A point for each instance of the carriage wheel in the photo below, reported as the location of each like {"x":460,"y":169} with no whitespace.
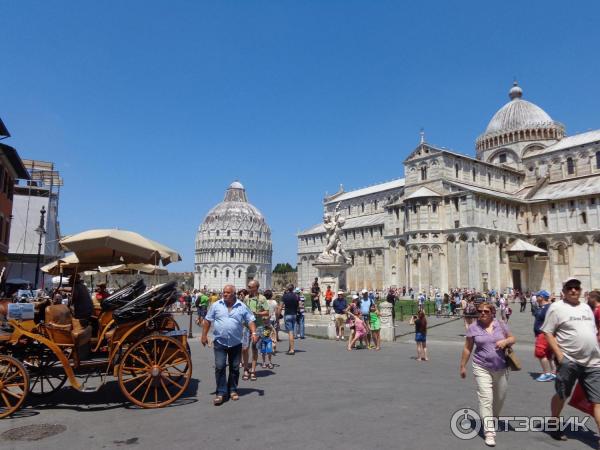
{"x":14,"y":385}
{"x":155,"y":371}
{"x":46,"y":374}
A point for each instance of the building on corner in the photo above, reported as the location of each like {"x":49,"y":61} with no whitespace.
{"x":524,"y":213}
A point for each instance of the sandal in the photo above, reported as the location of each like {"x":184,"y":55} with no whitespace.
{"x":270,"y":366}
{"x":218,"y":400}
{"x":234,"y":396}
{"x":291,"y":353}
{"x":252,"y":376}
{"x":246,"y":375}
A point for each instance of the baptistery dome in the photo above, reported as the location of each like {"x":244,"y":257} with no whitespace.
{"x":233,"y":244}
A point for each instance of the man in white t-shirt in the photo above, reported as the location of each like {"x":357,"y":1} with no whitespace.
{"x":572,"y":335}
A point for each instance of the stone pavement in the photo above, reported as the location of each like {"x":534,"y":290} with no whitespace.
{"x":324,"y":397}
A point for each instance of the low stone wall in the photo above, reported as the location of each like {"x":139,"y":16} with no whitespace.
{"x":323,"y":325}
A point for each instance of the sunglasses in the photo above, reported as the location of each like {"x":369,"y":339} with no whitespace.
{"x":483,"y":311}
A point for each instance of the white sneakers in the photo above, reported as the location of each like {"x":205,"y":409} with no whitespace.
{"x":490,"y":440}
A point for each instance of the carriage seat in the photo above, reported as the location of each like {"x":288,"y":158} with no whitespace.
{"x":64,"y":329}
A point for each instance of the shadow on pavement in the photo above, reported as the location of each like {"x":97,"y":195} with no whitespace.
{"x":247,"y":391}
{"x":264,"y":373}
{"x":587,"y":437}
{"x":108,"y":397}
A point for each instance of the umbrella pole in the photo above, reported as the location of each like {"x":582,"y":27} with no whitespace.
{"x":155,"y":271}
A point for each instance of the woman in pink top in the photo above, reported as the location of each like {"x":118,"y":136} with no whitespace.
{"x":360,"y":331}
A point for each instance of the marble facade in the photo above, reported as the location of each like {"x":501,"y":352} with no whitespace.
{"x":453,"y":219}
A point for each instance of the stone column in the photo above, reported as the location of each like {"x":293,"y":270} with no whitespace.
{"x":388,"y":329}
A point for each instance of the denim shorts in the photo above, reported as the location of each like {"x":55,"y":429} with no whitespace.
{"x":290,"y":323}
{"x":245,"y":338}
{"x":420,"y":337}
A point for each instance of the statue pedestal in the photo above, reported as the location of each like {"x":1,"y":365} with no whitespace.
{"x":331,"y":274}
{"x":388,"y":329}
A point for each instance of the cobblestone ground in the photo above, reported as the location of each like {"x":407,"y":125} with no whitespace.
{"x":324,"y":397}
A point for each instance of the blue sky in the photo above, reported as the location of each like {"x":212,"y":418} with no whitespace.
{"x":150,"y":109}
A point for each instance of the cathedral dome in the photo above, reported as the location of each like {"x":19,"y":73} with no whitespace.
{"x":518,"y":114}
{"x":233,"y":243}
{"x":517,"y":121}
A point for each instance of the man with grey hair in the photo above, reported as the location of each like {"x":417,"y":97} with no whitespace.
{"x":228,"y":316}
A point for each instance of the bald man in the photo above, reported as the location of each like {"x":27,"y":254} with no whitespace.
{"x":228,"y":315}
{"x":259,"y":306}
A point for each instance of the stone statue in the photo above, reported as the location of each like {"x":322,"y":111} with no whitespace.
{"x":333,"y":252}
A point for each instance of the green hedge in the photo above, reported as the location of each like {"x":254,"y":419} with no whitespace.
{"x":403,"y":308}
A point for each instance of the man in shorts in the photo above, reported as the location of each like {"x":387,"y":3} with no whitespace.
{"x":201,"y":306}
{"x":365,"y":308}
{"x":289,"y":304}
{"x":339,"y":308}
{"x":571,"y":333}
{"x":258,"y":305}
{"x":542,"y":349}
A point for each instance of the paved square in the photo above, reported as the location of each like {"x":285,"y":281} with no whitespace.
{"x":324,"y":397}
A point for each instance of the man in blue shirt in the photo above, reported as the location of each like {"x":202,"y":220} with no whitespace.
{"x":228,"y":316}
{"x":339,"y":307}
{"x":365,"y":307}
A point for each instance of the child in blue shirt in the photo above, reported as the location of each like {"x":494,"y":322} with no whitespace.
{"x":266,"y":346}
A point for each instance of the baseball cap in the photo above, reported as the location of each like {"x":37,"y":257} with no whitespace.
{"x":364,"y":291}
{"x":571,"y":280}
{"x":340,"y":292}
{"x":297,"y":290}
{"x":543,"y":293}
{"x":354,"y":297}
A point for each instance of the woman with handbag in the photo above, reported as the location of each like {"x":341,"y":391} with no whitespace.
{"x":488,"y":339}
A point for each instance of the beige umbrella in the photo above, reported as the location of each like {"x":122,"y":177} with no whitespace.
{"x":104,"y":247}
{"x":134,"y":268}
{"x":67,"y":263}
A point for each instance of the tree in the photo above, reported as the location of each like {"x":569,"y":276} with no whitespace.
{"x":283,"y":268}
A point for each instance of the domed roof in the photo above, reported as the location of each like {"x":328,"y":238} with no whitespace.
{"x":518,"y":114}
{"x":235,"y":212}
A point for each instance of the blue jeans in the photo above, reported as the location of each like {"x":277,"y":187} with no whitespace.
{"x":222,"y":354}
{"x":300,"y":326}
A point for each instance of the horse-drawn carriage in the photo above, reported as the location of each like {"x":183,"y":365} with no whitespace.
{"x":132,"y":338}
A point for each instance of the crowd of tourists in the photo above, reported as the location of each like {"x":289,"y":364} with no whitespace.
{"x":246,"y":324}
{"x":566,"y":344}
